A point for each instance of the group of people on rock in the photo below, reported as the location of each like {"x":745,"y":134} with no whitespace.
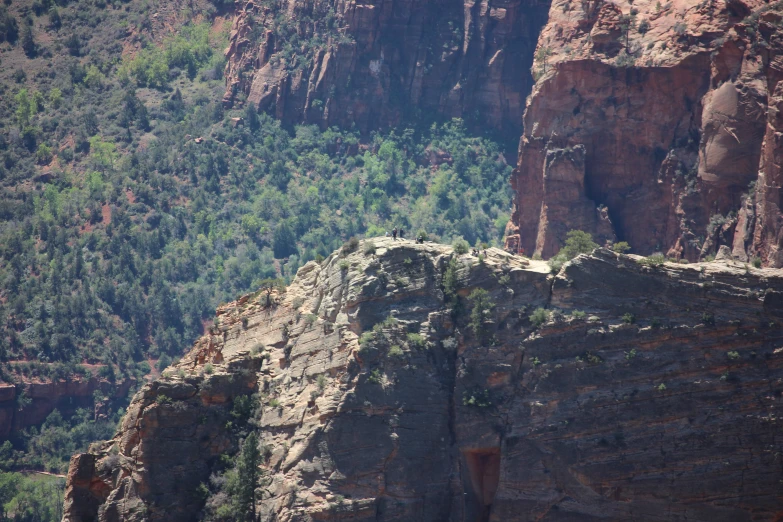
{"x":401,"y":232}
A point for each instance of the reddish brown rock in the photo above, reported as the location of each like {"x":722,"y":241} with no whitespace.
{"x":372,"y":65}
{"x":67,"y":395}
{"x":668,"y":102}
{"x":658,"y":403}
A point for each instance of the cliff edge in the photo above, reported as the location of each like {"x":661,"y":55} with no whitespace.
{"x":391,"y":390}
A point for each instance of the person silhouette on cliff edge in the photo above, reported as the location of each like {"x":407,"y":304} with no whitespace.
{"x":394,"y":233}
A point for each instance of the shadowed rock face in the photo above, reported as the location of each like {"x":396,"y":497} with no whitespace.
{"x":371,"y":64}
{"x":671,"y":114}
{"x":657,"y":404}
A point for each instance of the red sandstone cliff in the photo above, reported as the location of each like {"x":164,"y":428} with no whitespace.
{"x":371,"y":64}
{"x":661,"y":109}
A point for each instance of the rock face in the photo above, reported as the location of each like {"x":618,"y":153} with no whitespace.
{"x":371,"y":64}
{"x":669,"y":101}
{"x":391,"y":391}
{"x":46,"y":396}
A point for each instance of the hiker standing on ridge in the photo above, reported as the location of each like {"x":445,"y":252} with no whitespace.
{"x":402,"y":234}
{"x":394,"y":233}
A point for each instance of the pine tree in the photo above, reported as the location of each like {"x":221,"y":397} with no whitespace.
{"x":284,"y":241}
{"x":248,"y":475}
{"x":28,"y":41}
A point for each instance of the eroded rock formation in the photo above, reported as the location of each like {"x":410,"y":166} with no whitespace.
{"x":44,"y":397}
{"x":371,"y":64}
{"x":669,"y":101}
{"x":646,"y":393}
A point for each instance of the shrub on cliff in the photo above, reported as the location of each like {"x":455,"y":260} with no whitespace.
{"x":480,"y":315}
{"x":539,"y":317}
{"x":577,"y":242}
{"x":460,"y":246}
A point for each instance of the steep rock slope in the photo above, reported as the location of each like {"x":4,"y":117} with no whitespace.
{"x":657,"y":403}
{"x":647,"y":124}
{"x":369,"y":64}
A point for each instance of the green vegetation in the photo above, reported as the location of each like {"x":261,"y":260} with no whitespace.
{"x":628,"y":318}
{"x":451,"y":282}
{"x":31,"y":498}
{"x":132,"y":205}
{"x":478,"y":398}
{"x":396,"y":351}
{"x":577,"y":242}
{"x":460,"y":246}
{"x":621,"y":247}
{"x":539,"y":317}
{"x":654,"y":260}
{"x":417,"y":341}
{"x":233,"y":494}
{"x":578,"y":314}
{"x":189,"y":50}
{"x":50,"y":446}
{"x":480,"y":313}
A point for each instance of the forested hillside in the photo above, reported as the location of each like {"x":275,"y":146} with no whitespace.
{"x":132,"y":203}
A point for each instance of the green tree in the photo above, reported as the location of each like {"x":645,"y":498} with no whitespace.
{"x":28,"y":41}
{"x":577,"y":242}
{"x":249,"y":474}
{"x":103,"y":153}
{"x":480,"y":314}
{"x":284,"y":241}
{"x":55,"y":21}
{"x":24,"y":108}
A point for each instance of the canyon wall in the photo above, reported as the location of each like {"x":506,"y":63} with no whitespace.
{"x":371,"y":65}
{"x":657,"y":124}
{"x":391,"y":391}
{"x":45,"y":397}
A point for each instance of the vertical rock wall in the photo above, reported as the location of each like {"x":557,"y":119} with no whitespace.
{"x":374,"y":64}
{"x":669,"y":101}
{"x":385,"y":399}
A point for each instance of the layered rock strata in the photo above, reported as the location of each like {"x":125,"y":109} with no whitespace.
{"x":391,"y":391}
{"x":369,"y":65}
{"x":45,"y":397}
{"x":676,"y":106}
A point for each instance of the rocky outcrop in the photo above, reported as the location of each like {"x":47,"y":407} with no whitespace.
{"x":391,"y":391}
{"x":669,"y":102}
{"x":45,"y":397}
{"x":370,"y":65}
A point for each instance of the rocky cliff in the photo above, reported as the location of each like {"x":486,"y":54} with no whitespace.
{"x":655,"y":123}
{"x":370,"y":64}
{"x":45,"y":397}
{"x":392,"y":391}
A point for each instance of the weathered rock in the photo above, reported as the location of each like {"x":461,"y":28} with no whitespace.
{"x":67,"y":395}
{"x":371,"y":64}
{"x":667,"y":100}
{"x":656,"y":403}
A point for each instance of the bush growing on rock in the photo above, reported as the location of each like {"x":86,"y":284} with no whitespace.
{"x":460,"y":246}
{"x":656,"y":259}
{"x":480,"y":315}
{"x":369,"y":248}
{"x":539,"y":317}
{"x":351,"y":245}
{"x":622,"y":247}
{"x":477,"y":398}
{"x":577,"y":242}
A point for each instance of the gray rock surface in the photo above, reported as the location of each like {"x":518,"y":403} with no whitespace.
{"x":658,"y":402}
